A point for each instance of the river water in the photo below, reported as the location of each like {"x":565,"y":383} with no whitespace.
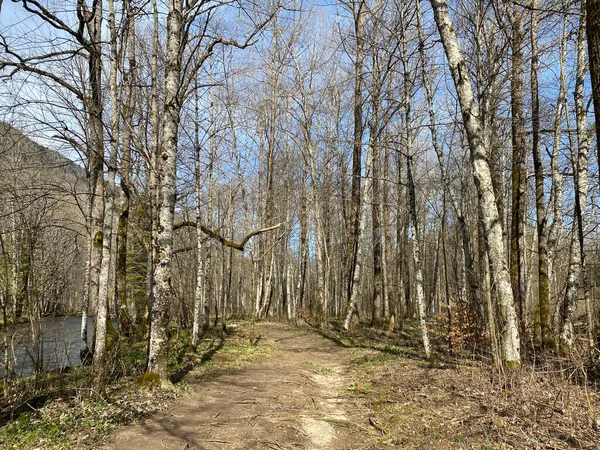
{"x":61,"y":345}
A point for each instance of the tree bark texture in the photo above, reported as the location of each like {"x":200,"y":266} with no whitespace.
{"x":163,"y":290}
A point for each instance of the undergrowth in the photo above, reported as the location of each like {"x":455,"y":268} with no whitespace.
{"x":456,"y":401}
{"x":59,"y":410}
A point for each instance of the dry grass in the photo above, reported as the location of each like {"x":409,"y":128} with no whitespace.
{"x":463,"y":404}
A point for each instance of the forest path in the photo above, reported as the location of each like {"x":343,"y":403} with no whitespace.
{"x":293,"y":399}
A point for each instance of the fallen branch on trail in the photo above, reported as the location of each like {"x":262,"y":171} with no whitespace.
{"x":228,"y":243}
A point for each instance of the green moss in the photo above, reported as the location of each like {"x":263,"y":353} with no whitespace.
{"x":112,"y":335}
{"x":150,"y":380}
{"x":513,"y":365}
{"x":98,"y":238}
{"x":124,"y":321}
{"x":142,"y":329}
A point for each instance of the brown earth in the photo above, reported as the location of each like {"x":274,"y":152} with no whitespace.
{"x":293,"y":399}
{"x":366,"y":390}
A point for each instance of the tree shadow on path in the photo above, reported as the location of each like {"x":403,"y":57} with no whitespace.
{"x":214,"y":347}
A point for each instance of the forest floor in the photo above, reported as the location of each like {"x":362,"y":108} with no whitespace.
{"x":294,"y":398}
{"x":276,"y":386}
{"x":328,"y":390}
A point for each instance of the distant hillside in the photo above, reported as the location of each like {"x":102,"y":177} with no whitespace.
{"x":19,"y":152}
{"x":43,"y":203}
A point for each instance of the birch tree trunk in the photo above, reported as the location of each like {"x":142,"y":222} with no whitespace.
{"x":200,"y":294}
{"x":483,"y":181}
{"x":228,"y":278}
{"x":416,"y":250}
{"x":17,"y":303}
{"x":319,"y":229}
{"x":154,"y":171}
{"x":4,"y":304}
{"x":163,"y":291}
{"x":85,"y":304}
{"x":270,"y":139}
{"x":575,"y":276}
{"x":555,"y":229}
{"x":419,"y":299}
{"x":95,"y":161}
{"x":358,"y":13}
{"x":473,"y":292}
{"x":210,"y":287}
{"x":291,"y":298}
{"x":99,"y":360}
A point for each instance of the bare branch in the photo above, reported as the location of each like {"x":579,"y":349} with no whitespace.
{"x":226,"y":242}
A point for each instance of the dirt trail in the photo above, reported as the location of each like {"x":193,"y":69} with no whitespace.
{"x":292,"y":400}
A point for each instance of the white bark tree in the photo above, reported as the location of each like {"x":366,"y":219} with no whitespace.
{"x":163,"y":291}
{"x":479,"y":150}
{"x":99,"y":365}
{"x":575,"y":276}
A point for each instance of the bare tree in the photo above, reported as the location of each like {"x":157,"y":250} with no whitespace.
{"x":593,"y":39}
{"x":483,"y":181}
{"x":519,"y":172}
{"x":575,"y":276}
{"x":358,"y":10}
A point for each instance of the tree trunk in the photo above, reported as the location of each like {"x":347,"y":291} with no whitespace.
{"x":416,"y":251}
{"x":519,"y":175}
{"x":200,"y":294}
{"x":154,"y":172}
{"x":575,"y":276}
{"x":270,"y":139}
{"x":95,"y":162}
{"x":358,"y":11}
{"x":127,"y":311}
{"x":303,"y":250}
{"x":374,"y":144}
{"x":483,"y":182}
{"x":352,"y":307}
{"x":5,"y":335}
{"x":163,"y":291}
{"x":402,"y":288}
{"x":419,"y":299}
{"x":593,"y":39}
{"x":473,"y":292}
{"x":541,"y":209}
{"x":555,"y":229}
{"x":319,"y":228}
{"x":99,"y":360}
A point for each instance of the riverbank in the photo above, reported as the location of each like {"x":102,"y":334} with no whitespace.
{"x":20,"y":321}
{"x":58,"y":346}
{"x":59,"y":409}
{"x":24,"y":319}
